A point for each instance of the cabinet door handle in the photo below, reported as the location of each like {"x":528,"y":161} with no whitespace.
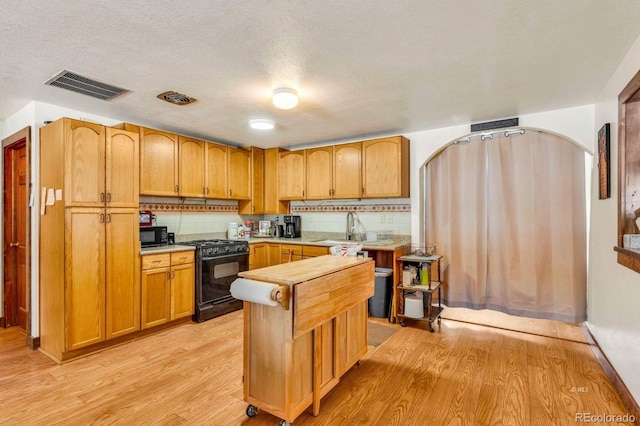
{"x":168,"y":275}
{"x":173,"y":275}
{"x":177,"y":188}
{"x":108,"y":197}
{"x":207,"y":190}
{"x":229,"y":193}
{"x":108,"y":217}
{"x":101,"y":217}
{"x":363,"y":190}
{"x":204,"y":190}
{"x":102,"y":197}
{"x":156,"y":261}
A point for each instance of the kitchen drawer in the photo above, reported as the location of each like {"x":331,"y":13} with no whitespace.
{"x":313,"y":251}
{"x":182,"y":257}
{"x":151,"y":261}
{"x":288,"y":248}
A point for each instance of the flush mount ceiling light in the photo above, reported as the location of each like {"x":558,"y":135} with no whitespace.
{"x":285,"y":98}
{"x":261,"y":124}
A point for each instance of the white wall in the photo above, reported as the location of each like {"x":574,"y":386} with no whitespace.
{"x":575,"y":124}
{"x":614,"y":291}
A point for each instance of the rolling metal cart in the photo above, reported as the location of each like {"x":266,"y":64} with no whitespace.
{"x":418,"y":285}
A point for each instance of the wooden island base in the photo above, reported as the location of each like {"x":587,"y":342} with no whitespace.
{"x":293,"y":357}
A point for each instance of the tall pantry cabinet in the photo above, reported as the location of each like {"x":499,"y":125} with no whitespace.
{"x":89,"y":239}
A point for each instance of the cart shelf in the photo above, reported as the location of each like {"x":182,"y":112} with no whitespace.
{"x":431,"y":310}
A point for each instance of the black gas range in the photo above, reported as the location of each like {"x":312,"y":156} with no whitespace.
{"x":217,"y":265}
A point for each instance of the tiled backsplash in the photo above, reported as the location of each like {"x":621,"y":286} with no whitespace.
{"x":199,"y":217}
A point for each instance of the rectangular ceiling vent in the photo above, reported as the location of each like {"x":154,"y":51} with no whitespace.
{"x":87,"y":86}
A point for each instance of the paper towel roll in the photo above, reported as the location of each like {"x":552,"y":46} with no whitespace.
{"x":253,"y":291}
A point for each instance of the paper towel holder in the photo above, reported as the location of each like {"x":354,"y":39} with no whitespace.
{"x":281,"y":295}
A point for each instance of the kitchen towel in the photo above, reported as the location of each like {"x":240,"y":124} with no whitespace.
{"x":253,"y":291}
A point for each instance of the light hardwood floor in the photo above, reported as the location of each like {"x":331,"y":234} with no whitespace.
{"x":461,"y":374}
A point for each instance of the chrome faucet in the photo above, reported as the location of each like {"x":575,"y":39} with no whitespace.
{"x":351,"y":232}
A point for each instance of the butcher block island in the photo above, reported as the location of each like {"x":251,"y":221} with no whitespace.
{"x":296,"y":351}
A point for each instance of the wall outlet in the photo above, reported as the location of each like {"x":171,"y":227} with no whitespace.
{"x":382,"y":218}
{"x":389,"y":218}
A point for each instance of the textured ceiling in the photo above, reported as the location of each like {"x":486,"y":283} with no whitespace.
{"x":362,"y":68}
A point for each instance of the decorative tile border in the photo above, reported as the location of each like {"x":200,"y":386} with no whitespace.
{"x":366,"y":208}
{"x":178,"y":207}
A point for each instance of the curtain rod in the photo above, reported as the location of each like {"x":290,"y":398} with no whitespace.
{"x":489,"y":135}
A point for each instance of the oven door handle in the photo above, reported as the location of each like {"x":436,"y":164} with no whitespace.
{"x":207,"y":259}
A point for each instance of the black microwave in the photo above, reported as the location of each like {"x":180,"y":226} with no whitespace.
{"x":152,"y":236}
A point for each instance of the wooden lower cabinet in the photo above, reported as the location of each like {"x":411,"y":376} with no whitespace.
{"x":273,"y":254}
{"x":290,"y":253}
{"x":167,"y":287}
{"x":258,"y":255}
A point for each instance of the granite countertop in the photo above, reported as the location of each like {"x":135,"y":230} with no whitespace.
{"x":165,"y":249}
{"x":387,"y":244}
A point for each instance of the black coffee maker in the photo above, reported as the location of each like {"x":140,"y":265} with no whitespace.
{"x":292,"y":226}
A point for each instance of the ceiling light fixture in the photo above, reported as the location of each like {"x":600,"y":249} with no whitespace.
{"x":261,"y":124}
{"x":285,"y":98}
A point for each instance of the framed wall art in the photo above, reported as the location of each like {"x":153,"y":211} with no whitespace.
{"x":604,"y":163}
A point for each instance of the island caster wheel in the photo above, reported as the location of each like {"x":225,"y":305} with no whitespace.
{"x":284,"y":423}
{"x":439,"y":321}
{"x":403,"y":324}
{"x":431,"y":328}
{"x":252,"y":410}
{"x":358,"y":362}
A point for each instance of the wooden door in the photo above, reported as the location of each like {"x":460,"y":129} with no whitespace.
{"x":351,"y":336}
{"x":182,"y":290}
{"x":16,"y":305}
{"x":291,"y":182}
{"x":239,"y":174}
{"x":158,"y":163}
{"x":122,"y":168}
{"x":84,"y":277}
{"x":385,"y":168}
{"x":216,"y":171}
{"x":84,"y":162}
{"x":319,"y":176}
{"x":122,"y":272}
{"x":347,"y":170}
{"x":191,"y":167}
{"x":156,"y":296}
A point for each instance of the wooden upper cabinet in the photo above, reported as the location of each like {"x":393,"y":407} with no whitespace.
{"x":385,"y":168}
{"x":319,"y":173}
{"x":158,"y":163}
{"x":291,"y":175}
{"x":191,"y":154}
{"x":239,"y":174}
{"x":347,"y":170}
{"x":272,"y":202}
{"x":216,"y":171}
{"x":256,"y":204}
{"x":84,"y":163}
{"x":122,"y":168}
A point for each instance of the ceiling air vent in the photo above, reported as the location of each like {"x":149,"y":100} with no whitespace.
{"x":87,"y":86}
{"x":176,"y":98}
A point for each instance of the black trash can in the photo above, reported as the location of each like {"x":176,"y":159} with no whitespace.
{"x":379,"y":303}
